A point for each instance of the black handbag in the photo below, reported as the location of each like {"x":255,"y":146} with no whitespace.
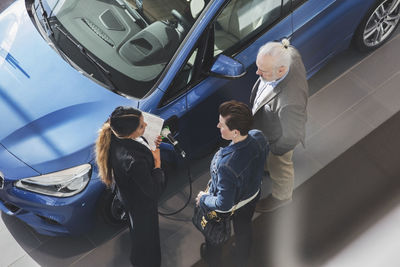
{"x":215,"y":226}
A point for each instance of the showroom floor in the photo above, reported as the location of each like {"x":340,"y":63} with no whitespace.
{"x":353,"y":96}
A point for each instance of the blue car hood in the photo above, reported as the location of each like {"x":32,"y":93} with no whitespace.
{"x":49,"y":112}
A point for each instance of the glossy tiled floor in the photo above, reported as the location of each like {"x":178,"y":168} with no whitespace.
{"x":353,"y":95}
{"x":345,"y":215}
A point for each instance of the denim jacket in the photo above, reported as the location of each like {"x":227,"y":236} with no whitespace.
{"x":236,"y":172}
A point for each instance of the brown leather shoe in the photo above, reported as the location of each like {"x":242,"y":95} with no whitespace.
{"x":271,"y":203}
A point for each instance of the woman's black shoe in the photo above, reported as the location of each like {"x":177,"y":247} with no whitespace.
{"x":203,"y":251}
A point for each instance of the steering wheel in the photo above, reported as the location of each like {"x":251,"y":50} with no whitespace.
{"x":181,"y":19}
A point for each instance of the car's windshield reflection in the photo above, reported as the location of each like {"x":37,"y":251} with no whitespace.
{"x":134,"y":40}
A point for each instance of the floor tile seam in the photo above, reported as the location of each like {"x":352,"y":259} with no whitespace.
{"x":166,"y":207}
{"x":31,"y":231}
{"x":92,"y":250}
{"x":82,"y":256}
{"x":349,"y":109}
{"x":182,"y":194}
{"x":351,"y":68}
{"x":388,"y":80}
{"x":379,"y":88}
{"x":333,"y":121}
{"x":358,"y":79}
{"x":368,"y":122}
{"x":354,"y":107}
{"x":189,"y":224}
{"x":112,"y":236}
{"x":310,"y":116}
{"x":370,"y":93}
{"x":8,"y":265}
{"x":315,"y":171}
{"x":171,"y":204}
{"x":178,"y":220}
{"x":34,"y":233}
{"x":184,"y":189}
{"x":316,"y":162}
{"x":323,"y":88}
{"x":90,"y":240}
{"x":370,"y":129}
{"x":26,"y":251}
{"x":3,"y":228}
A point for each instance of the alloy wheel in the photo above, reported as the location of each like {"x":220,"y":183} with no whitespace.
{"x":381,"y":23}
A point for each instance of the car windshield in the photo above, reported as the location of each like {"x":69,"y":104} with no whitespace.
{"x":123,"y":44}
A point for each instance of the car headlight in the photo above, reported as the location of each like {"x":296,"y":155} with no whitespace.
{"x":63,"y":183}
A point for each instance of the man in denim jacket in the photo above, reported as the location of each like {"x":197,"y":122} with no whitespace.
{"x":236,"y":173}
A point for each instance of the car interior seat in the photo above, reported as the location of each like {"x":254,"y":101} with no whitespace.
{"x":240,"y":18}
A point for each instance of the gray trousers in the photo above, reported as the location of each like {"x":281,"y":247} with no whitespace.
{"x":281,"y":171}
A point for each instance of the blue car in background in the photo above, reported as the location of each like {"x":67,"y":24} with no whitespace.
{"x":66,"y":64}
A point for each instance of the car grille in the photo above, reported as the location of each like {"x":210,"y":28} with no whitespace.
{"x":1,"y":180}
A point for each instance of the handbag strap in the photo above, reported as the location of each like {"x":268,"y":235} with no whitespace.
{"x":234,"y":209}
{"x":240,"y":204}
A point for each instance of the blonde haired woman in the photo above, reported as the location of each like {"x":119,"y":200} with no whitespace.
{"x":124,"y":158}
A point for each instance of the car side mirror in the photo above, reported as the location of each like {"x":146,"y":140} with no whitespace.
{"x":227,"y":67}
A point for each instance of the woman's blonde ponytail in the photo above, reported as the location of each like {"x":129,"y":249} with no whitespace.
{"x":102,"y":154}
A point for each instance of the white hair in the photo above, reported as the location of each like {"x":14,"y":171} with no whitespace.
{"x":280,"y":51}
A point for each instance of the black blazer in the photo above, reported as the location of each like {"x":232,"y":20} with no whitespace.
{"x":139,"y":183}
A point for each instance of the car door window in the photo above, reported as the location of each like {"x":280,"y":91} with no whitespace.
{"x":194,"y":69}
{"x":296,"y":3}
{"x":182,"y":79}
{"x":242,"y":19}
{"x":238,"y":22}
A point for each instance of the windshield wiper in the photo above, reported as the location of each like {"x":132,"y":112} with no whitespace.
{"x":133,"y":13}
{"x":45,"y":19}
{"x":105,"y":74}
{"x":48,"y":30}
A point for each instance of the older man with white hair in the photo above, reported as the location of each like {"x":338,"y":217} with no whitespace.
{"x":279,"y":101}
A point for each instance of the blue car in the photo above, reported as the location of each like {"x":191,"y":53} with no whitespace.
{"x":66,"y":64}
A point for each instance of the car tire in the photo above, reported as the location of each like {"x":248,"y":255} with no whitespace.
{"x":111,"y":209}
{"x":378,"y":25}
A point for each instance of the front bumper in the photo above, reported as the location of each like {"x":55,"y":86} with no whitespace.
{"x":51,"y":215}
